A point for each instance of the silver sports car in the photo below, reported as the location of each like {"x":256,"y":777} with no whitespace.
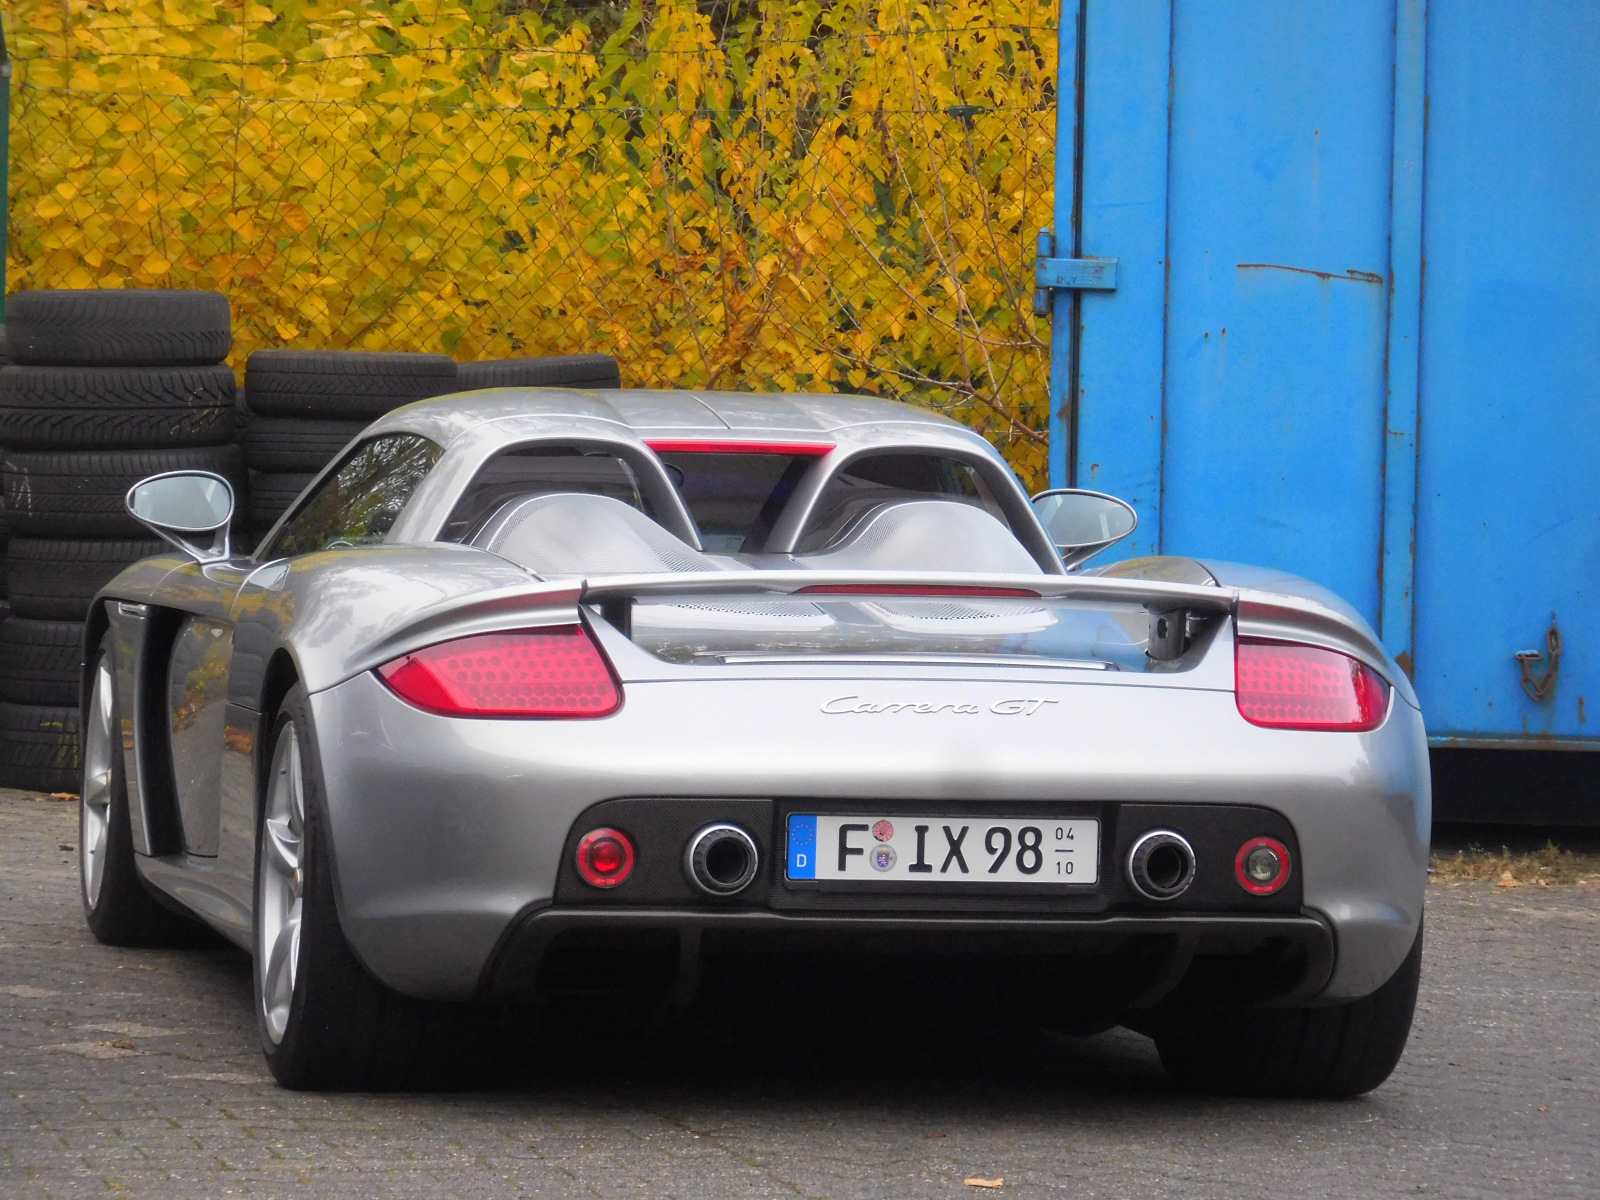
{"x":537,"y":692}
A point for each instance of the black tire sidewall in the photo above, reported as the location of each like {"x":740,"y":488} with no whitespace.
{"x":1330,"y":1052}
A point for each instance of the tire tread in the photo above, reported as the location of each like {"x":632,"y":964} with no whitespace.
{"x":80,"y":494}
{"x":118,"y":327}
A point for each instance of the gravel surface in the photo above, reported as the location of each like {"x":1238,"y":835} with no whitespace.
{"x":136,"y":1073}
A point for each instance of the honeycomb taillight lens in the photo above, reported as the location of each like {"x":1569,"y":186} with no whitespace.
{"x":552,"y":672}
{"x":1284,"y":685}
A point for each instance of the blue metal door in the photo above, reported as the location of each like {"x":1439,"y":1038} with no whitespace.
{"x":1508,"y":514}
{"x":1258,"y":384}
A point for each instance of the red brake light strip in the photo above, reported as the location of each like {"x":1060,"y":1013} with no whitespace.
{"x":696,"y":446}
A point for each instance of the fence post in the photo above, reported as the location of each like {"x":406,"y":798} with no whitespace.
{"x":1063,"y":303}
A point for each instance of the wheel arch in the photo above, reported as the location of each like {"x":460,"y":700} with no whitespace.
{"x":95,"y":628}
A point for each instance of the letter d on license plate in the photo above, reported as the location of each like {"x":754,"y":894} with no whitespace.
{"x":1048,"y":850}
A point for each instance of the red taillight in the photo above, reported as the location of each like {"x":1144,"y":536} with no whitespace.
{"x":1284,"y":685}
{"x":914,"y":589}
{"x":605,"y":857}
{"x":1262,"y":866}
{"x":554,"y":672}
{"x":702,"y":446}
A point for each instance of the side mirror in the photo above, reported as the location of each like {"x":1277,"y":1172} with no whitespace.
{"x":190,"y":509}
{"x":1081,"y":524}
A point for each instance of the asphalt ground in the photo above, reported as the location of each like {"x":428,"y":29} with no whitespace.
{"x":136,"y":1074}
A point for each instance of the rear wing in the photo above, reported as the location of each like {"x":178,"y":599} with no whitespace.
{"x":1254,"y":613}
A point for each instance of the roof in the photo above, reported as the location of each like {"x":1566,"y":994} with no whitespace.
{"x":668,"y":413}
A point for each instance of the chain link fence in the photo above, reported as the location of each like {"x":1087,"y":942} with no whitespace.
{"x":728,"y":194}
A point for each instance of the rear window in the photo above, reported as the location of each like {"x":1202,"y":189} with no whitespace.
{"x":813,"y":630}
{"x":735,"y":499}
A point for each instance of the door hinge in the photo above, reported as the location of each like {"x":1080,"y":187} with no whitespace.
{"x":1067,"y":274}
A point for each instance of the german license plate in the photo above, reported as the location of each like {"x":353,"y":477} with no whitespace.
{"x":944,"y":849}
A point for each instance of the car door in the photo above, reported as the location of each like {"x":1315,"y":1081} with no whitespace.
{"x":354,"y":503}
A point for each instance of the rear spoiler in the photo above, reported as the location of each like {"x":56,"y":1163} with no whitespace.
{"x":1255,"y":613}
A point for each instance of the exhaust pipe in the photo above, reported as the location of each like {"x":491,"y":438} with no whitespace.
{"x":1161,"y":865}
{"x":722,"y":859}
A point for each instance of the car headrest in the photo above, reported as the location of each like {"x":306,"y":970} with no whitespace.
{"x":577,"y":533}
{"x":927,"y":535}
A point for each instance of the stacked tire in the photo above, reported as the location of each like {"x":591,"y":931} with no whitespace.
{"x":558,"y":370}
{"x":105,"y":388}
{"x":5,"y":530}
{"x":302,"y":407}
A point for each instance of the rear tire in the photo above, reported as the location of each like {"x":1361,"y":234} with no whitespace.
{"x":325,"y":1022}
{"x":1327,"y":1053}
{"x":116,"y":906}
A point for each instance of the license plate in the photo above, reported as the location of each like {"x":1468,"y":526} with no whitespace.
{"x":944,"y":849}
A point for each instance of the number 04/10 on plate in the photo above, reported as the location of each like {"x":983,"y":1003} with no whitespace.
{"x":912,"y":849}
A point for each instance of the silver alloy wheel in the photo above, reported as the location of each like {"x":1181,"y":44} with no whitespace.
{"x":279,"y":881}
{"x":100,"y":743}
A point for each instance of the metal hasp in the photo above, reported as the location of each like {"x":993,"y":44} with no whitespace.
{"x":1539,"y":688}
{"x":1051,"y":274}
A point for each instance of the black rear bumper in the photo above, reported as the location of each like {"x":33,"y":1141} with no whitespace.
{"x":1136,"y":962}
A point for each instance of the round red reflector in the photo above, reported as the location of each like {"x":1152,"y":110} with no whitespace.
{"x":605,"y":857}
{"x":1262,"y":866}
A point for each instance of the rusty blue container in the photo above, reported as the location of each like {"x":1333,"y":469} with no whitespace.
{"x":1352,"y":328}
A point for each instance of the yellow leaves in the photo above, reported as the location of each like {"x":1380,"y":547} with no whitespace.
{"x":152,"y":267}
{"x":780,"y":201}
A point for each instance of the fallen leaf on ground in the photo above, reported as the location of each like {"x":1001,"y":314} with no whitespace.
{"x":974,"y":1181}
{"x":118,"y":1049}
{"x":27,"y":991}
{"x":932,"y":1135}
{"x":128,"y":1029}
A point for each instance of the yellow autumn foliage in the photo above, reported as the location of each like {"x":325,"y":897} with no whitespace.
{"x":779,"y":194}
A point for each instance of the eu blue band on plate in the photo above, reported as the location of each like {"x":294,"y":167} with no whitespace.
{"x":802,"y":847}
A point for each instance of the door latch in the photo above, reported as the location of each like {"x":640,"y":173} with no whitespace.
{"x":1540,"y":687}
{"x":1067,"y":274}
